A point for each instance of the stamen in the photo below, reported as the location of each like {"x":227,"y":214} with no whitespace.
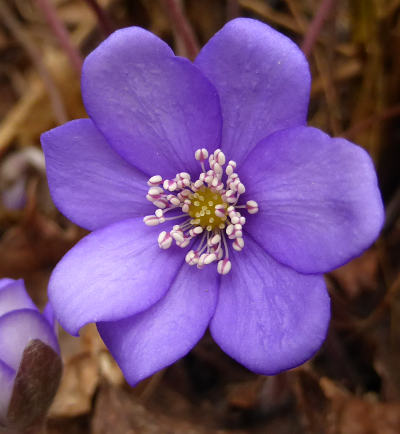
{"x":210,"y":207}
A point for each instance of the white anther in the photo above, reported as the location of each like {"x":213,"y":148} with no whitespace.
{"x":184,"y":175}
{"x":160,"y":203}
{"x":219,"y":253}
{"x":164,"y":240}
{"x":152,"y":220}
{"x":218,"y":169}
{"x":252,"y":206}
{"x":219,"y":157}
{"x":208,"y":179}
{"x":185,"y":207}
{"x":229,"y":230}
{"x":184,"y":243}
{"x":198,"y":184}
{"x":241,"y":188}
{"x":232,"y":177}
{"x":215,"y":239}
{"x":170,"y":184}
{"x":210,"y":257}
{"x":235,"y":219}
{"x":192,"y":257}
{"x":154,"y":191}
{"x":159,"y":213}
{"x":154,"y":180}
{"x":219,"y":211}
{"x":201,"y":154}
{"x":197,"y":230}
{"x":224,"y":266}
{"x":177,"y":235}
{"x":235,"y":185}
{"x":184,"y":193}
{"x":238,"y":244}
{"x":174,"y":201}
{"x":201,"y":263}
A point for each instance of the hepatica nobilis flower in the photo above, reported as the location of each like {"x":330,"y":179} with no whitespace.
{"x":25,"y":391}
{"x":212,"y":204}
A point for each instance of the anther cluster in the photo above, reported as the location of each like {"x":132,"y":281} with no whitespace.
{"x":210,"y":206}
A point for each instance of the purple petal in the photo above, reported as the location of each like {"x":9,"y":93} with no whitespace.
{"x":154,"y":108}
{"x":318,"y":198}
{"x":7,"y":376}
{"x":156,"y":338}
{"x":14,"y":296}
{"x":112,"y":273}
{"x":269,"y":317}
{"x":262,"y":79}
{"x":17,"y":329}
{"x":48,"y":313}
{"x":5,"y":281}
{"x":89,"y":182}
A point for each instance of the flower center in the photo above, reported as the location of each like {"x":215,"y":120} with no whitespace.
{"x":210,"y":208}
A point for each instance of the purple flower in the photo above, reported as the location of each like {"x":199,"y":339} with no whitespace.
{"x":20,"y":324}
{"x":275,"y":204}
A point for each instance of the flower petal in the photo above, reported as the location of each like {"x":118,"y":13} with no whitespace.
{"x":48,"y":313}
{"x":7,"y":376}
{"x":150,"y":341}
{"x":154,"y":108}
{"x":89,"y":182}
{"x":17,"y":329}
{"x":262,"y":79}
{"x":318,"y":198}
{"x":14,"y":296}
{"x":5,"y":281}
{"x":112,"y":273}
{"x":269,"y":317}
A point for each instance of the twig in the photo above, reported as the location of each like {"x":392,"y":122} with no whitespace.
{"x":316,"y":25}
{"x":324,"y":72}
{"x":61,"y":34}
{"x":271,"y":15}
{"x":34,"y":53}
{"x":182,"y":27}
{"x":232,"y":9}
{"x":384,"y":115}
{"x":105,"y":22}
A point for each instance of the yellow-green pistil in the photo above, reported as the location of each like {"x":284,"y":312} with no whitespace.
{"x":208,"y":209}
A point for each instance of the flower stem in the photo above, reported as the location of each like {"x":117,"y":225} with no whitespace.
{"x":104,"y":20}
{"x":183,"y":27}
{"x":316,"y":25}
{"x":34,"y":53}
{"x":61,"y":33}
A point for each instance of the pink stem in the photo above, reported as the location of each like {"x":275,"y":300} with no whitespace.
{"x":363,"y":125}
{"x":232,"y":9}
{"x":103,"y":18}
{"x":61,"y":33}
{"x":316,"y":25}
{"x":182,"y":27}
{"x":34,"y":53}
